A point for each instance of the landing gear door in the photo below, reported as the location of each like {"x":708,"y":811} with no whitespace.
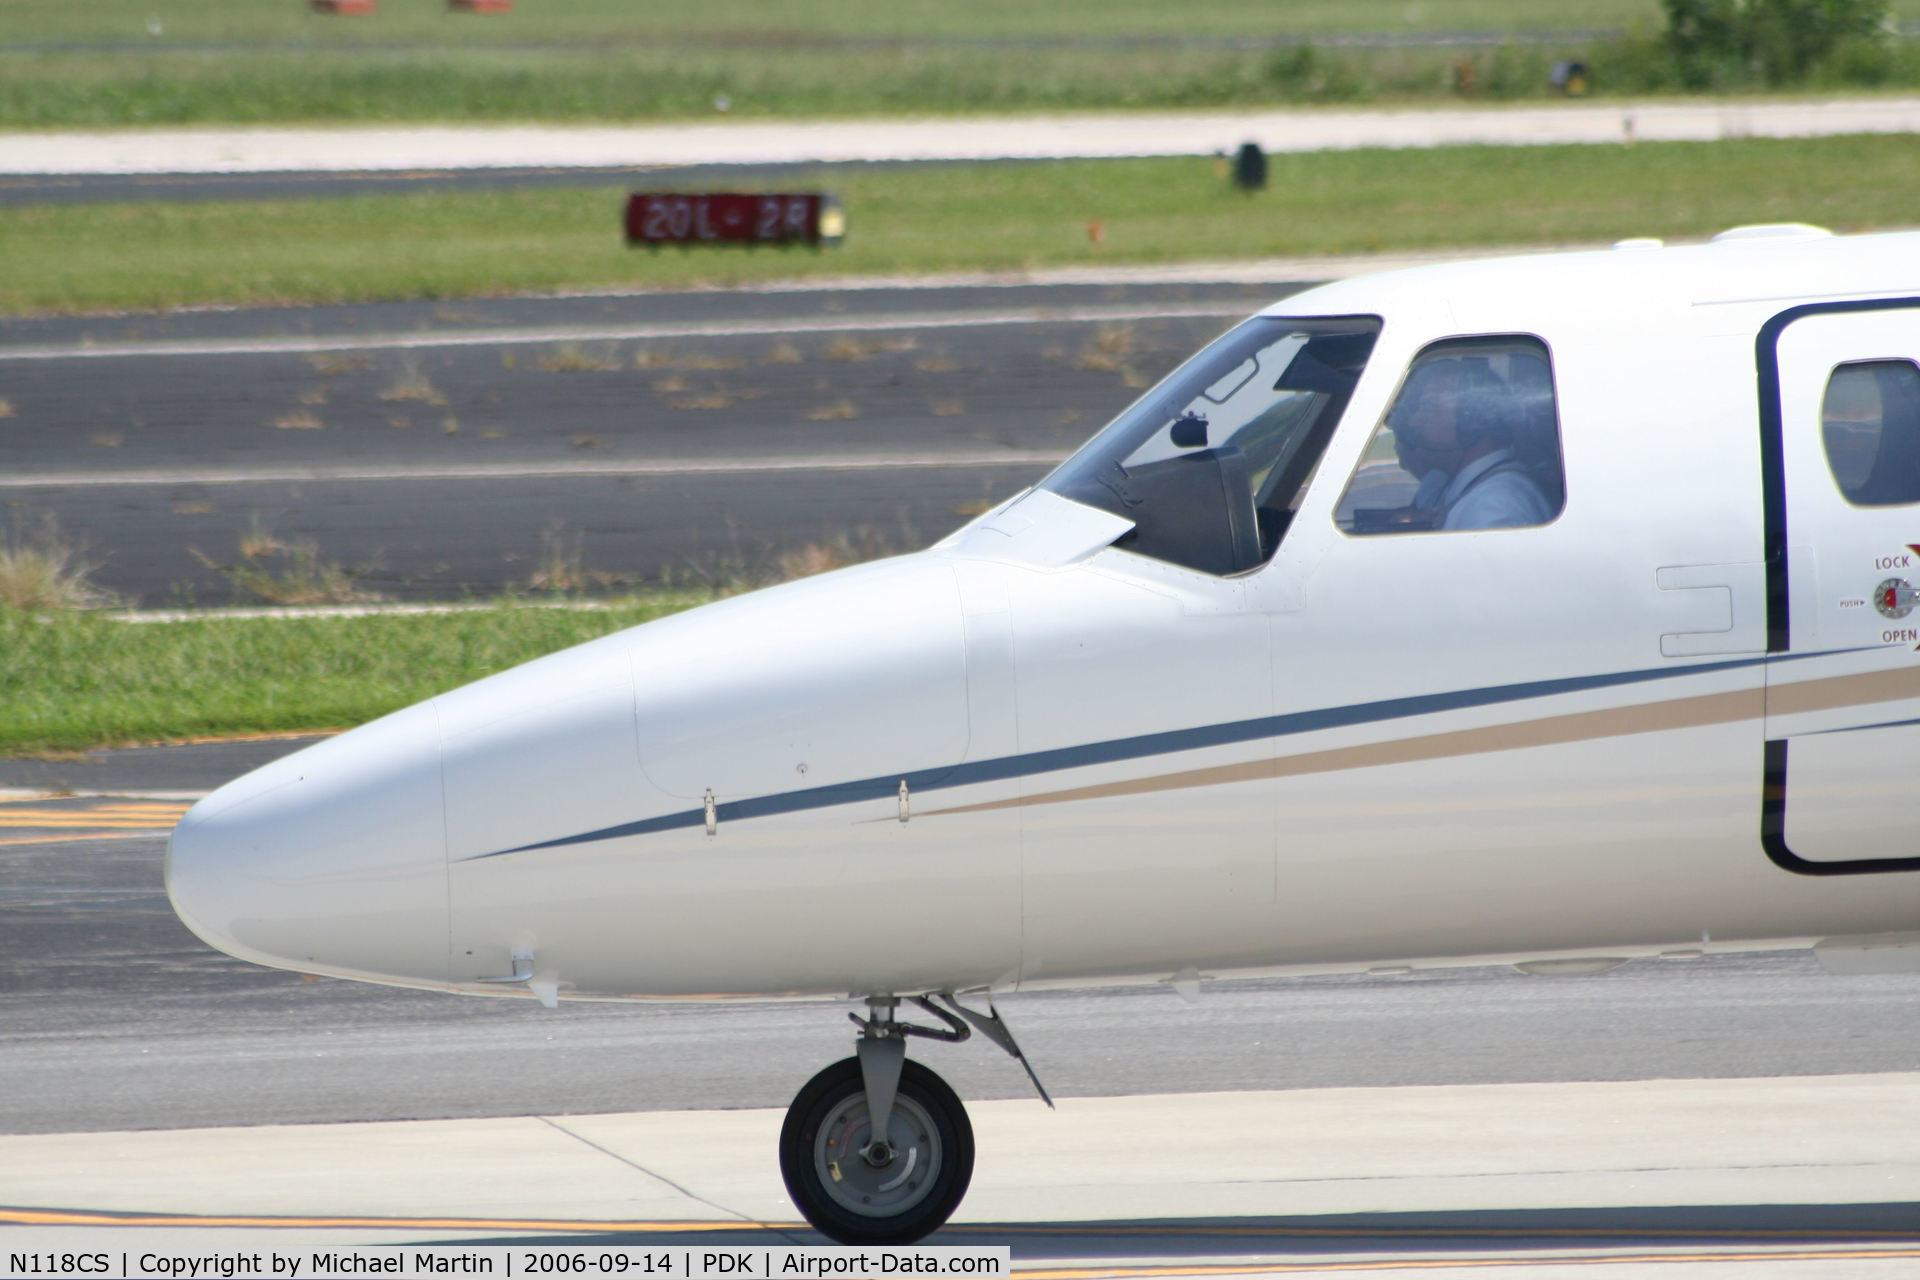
{"x":1841,"y":442}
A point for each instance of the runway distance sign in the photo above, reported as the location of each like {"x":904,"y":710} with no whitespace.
{"x":656,"y":218}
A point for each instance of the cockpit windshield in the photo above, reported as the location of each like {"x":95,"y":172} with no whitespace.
{"x":1211,"y":464}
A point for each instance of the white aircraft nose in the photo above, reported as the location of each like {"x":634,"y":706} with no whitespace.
{"x":332,"y":860}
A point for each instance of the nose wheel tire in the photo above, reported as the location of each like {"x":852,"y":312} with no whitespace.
{"x":858,"y":1187}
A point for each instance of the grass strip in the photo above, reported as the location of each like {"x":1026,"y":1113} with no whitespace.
{"x":80,"y":258}
{"x":244,"y":61}
{"x":676,"y":82}
{"x":793,"y":25}
{"x":71,"y":681}
{"x":122,"y":62}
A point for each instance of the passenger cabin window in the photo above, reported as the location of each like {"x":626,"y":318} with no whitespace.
{"x":1472,"y":441}
{"x":1870,"y":422}
{"x":1211,"y":464}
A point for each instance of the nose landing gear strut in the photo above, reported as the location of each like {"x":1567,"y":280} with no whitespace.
{"x":877,"y":1149}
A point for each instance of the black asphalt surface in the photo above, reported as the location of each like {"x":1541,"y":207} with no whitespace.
{"x":493,"y":453}
{"x":616,"y":180}
{"x":118,"y":1018}
{"x":835,"y":302}
{"x":193,"y":768}
{"x":417,"y":540}
{"x":112,"y":188}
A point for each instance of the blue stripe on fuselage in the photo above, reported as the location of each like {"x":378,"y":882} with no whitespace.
{"x":1118,"y":749}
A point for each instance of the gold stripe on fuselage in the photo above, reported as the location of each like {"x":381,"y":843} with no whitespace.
{"x":1834,"y":692}
{"x":1581,"y":726}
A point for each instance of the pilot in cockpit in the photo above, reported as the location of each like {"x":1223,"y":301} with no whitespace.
{"x":1455,"y":426}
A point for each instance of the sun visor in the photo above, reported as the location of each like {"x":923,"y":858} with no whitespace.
{"x":1308,"y":371}
{"x":1041,"y":529}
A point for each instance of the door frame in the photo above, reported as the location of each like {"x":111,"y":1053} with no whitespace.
{"x":1773,"y":483}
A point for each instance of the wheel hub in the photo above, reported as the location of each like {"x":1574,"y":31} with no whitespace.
{"x":872,"y":1176}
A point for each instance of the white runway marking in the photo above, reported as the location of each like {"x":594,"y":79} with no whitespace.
{"x":527,"y":470}
{"x":1086,"y":136}
{"x":627,"y":332}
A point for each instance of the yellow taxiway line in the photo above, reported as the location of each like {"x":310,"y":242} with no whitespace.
{"x":1910,"y":1239}
{"x":71,"y":836}
{"x":112,"y":824}
{"x":97,"y":822}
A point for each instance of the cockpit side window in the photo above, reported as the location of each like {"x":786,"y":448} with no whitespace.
{"x":1211,"y":464}
{"x":1870,"y":424}
{"x":1472,"y":441}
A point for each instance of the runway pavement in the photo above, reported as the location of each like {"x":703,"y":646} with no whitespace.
{"x":438,"y":451}
{"x":1052,"y":136}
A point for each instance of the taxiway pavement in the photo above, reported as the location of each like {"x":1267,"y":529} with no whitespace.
{"x":119,"y":1019}
{"x":439,"y":451}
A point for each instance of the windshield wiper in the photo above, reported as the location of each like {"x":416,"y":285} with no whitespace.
{"x":1118,"y":488}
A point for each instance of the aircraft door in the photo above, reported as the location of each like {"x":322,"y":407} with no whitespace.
{"x":1840,"y":423}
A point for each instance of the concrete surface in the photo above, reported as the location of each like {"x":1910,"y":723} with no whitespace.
{"x":1743,"y":1172}
{"x":309,"y":150}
